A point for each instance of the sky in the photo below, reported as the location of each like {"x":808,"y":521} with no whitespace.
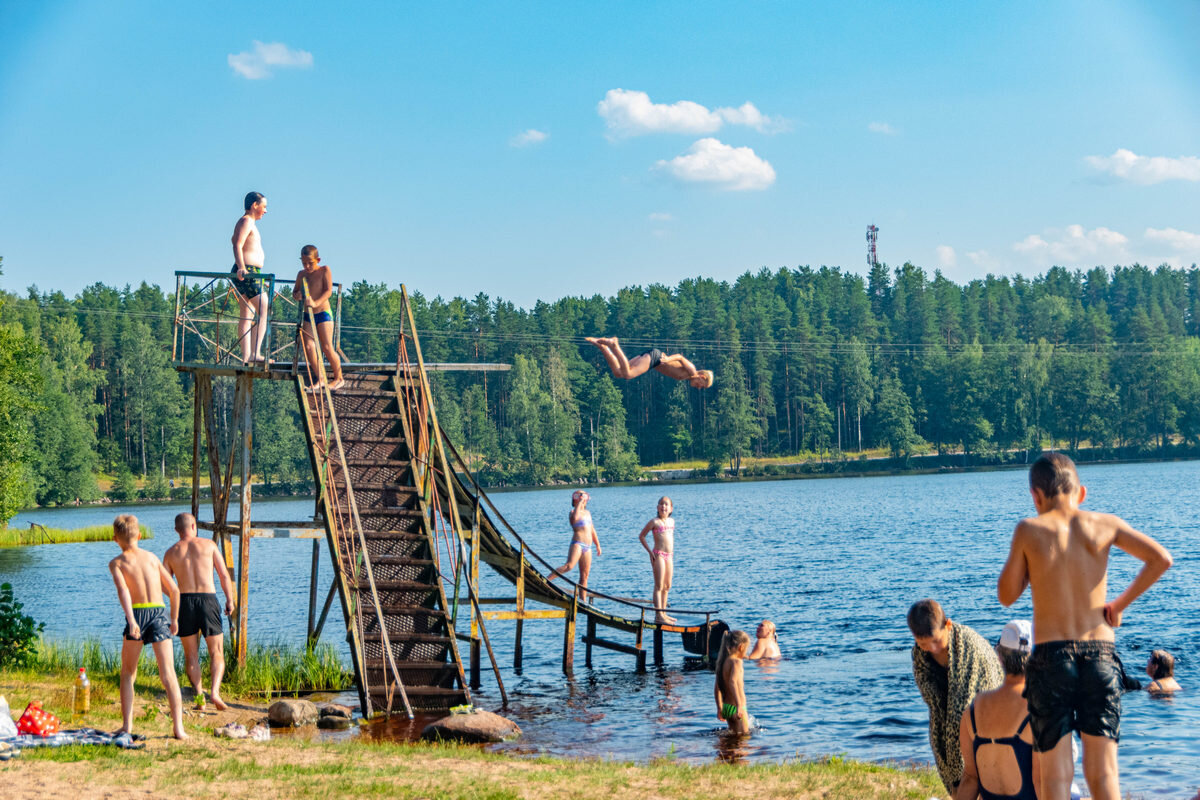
{"x":538,"y":150}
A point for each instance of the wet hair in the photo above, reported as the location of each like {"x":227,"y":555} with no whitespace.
{"x":1162,"y":665}
{"x":730,"y":642}
{"x":1053,"y":474}
{"x":181,"y":520}
{"x":308,"y":248}
{"x":125,"y":526}
{"x":709,"y":377}
{"x":926,"y":618}
{"x":1012,"y":660}
{"x":252,"y":198}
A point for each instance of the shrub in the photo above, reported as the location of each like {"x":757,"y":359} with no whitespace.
{"x":18,"y":632}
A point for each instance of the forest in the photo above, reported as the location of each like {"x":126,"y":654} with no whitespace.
{"x":820,"y":363}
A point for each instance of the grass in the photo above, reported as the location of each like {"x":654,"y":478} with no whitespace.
{"x":270,"y":669}
{"x":14,"y":537}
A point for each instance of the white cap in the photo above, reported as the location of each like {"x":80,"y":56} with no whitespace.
{"x":1017,"y":635}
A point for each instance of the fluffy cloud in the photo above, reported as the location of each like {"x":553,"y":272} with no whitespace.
{"x":1127,"y":165}
{"x":946,"y":255}
{"x":882,"y":127}
{"x":1182,"y":241}
{"x":630,"y":113}
{"x":714,"y":162}
{"x":529,"y":137}
{"x":256,"y":64}
{"x":1073,"y":244}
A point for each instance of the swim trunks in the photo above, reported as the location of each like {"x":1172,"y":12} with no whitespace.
{"x":729,"y":711}
{"x":199,"y":612}
{"x":655,"y":356}
{"x":322,"y":316}
{"x":1073,"y":685}
{"x":151,"y":618}
{"x":248,"y":287}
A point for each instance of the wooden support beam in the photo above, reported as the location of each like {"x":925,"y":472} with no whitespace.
{"x":476,"y":682}
{"x":195,"y":446}
{"x":568,"y":659}
{"x":312,"y":590}
{"x":658,"y":645}
{"x":608,"y":644}
{"x":588,"y":639}
{"x":547,"y":613}
{"x":246,"y":417}
{"x":316,"y":634}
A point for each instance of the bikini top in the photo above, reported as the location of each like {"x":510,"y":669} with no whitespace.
{"x":584,"y":519}
{"x":1024,"y":754}
{"x":662,"y":526}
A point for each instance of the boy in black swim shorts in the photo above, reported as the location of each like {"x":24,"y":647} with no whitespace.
{"x":1074,"y":677}
{"x":141,"y":579}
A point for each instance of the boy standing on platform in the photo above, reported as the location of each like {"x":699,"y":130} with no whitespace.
{"x":1074,"y":677}
{"x":319,"y":281}
{"x":140,"y":579}
{"x":192,"y":561}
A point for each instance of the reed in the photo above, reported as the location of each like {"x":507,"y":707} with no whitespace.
{"x":36,"y":534}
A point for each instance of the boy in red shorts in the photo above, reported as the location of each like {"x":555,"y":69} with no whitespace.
{"x":1074,"y":677}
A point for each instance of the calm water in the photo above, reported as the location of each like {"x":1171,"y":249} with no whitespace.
{"x":835,"y":563}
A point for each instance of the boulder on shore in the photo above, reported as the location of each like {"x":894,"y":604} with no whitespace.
{"x":292,"y":713}
{"x":478,"y":726}
{"x":335,"y":710}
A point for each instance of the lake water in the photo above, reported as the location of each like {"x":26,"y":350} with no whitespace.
{"x":835,"y":563}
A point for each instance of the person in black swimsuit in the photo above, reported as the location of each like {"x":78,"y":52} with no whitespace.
{"x":673,"y":366}
{"x":1001,"y":765}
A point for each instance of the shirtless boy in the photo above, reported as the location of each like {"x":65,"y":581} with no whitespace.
{"x":673,"y":366}
{"x":192,"y":561}
{"x":1073,"y":681}
{"x":141,"y":578}
{"x":319,"y":280}
{"x":248,"y":260}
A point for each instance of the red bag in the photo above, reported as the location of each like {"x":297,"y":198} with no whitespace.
{"x":37,"y":722}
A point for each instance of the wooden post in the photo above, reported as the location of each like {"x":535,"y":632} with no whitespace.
{"x":475,"y":655}
{"x":312,"y":590}
{"x":658,"y":645}
{"x":195,"y":448}
{"x":520,"y":604}
{"x":641,"y":640}
{"x":568,"y":662}
{"x":591,"y":634}
{"x":244,"y":414}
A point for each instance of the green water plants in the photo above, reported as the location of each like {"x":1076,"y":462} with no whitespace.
{"x":18,"y":632}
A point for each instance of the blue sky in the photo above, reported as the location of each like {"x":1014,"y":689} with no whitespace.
{"x":535,"y":150}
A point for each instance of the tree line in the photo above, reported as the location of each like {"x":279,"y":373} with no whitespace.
{"x":808,"y":362}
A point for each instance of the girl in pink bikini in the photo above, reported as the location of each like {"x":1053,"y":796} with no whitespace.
{"x":584,"y":538}
{"x":661,"y":556}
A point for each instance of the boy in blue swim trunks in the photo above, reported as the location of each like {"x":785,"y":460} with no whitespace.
{"x":1074,"y":677}
{"x":141,"y":579}
{"x":319,"y":280}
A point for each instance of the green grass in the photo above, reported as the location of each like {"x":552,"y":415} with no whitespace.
{"x":19,"y":537}
{"x":270,"y":668}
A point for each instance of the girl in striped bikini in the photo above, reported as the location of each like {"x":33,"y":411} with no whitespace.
{"x":661,"y":556}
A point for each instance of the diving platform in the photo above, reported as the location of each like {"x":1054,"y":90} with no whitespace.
{"x":404,"y":522}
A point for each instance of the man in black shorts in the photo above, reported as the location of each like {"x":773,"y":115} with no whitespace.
{"x":248,"y":261}
{"x":191,"y":561}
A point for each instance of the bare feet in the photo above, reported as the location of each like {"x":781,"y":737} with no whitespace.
{"x":592,"y":339}
{"x":179,"y":733}
{"x":339,"y":383}
{"x":218,"y":703}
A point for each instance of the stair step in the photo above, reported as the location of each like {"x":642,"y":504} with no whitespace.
{"x":395,"y":463}
{"x":422,"y":691}
{"x":370,"y":415}
{"x":393,"y":586}
{"x":410,"y":513}
{"x":400,"y":561}
{"x":384,"y":486}
{"x":348,"y":440}
{"x":411,"y":536}
{"x":401,"y":638}
{"x":410,"y":611}
{"x":379,"y":664}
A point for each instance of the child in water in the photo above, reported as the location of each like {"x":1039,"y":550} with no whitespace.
{"x":661,"y":556}
{"x":582,"y":542}
{"x":767,"y":645}
{"x":729,"y":689}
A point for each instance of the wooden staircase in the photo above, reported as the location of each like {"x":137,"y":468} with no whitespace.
{"x":382,"y":541}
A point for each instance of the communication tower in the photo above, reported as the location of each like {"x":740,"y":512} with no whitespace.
{"x":872,"y":237}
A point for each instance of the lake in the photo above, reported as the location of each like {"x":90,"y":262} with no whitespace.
{"x":835,"y":563}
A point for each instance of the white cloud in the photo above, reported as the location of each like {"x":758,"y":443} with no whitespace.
{"x":1183,"y":241}
{"x":979,"y":257}
{"x":712,"y":161}
{"x":946,"y":255}
{"x":882,"y":127}
{"x":631,"y":113}
{"x":1073,"y":245}
{"x":662,"y":216}
{"x":1130,"y":166}
{"x":529,"y":137}
{"x":256,"y":64}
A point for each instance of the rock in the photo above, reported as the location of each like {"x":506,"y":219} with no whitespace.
{"x":335,"y":710}
{"x":292,"y":713}
{"x":331,"y":722}
{"x":478,"y":726}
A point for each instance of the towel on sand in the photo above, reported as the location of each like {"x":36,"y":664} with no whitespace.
{"x":973,"y":668}
{"x":77,"y":736}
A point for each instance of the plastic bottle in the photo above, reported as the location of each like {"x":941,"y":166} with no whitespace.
{"x":83,"y":693}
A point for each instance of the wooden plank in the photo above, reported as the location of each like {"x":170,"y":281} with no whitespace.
{"x":545,"y":613}
{"x":195,"y":450}
{"x":608,"y":644}
{"x":568,"y":658}
{"x":247,"y":422}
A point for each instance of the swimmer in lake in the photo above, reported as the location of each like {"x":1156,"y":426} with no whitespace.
{"x":661,"y":556}
{"x":673,"y":366}
{"x":584,"y":538}
{"x":729,"y":688}
{"x":1162,"y":669}
{"x":767,"y":645}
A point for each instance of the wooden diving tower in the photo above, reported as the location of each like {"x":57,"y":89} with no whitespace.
{"x":404,"y":520}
